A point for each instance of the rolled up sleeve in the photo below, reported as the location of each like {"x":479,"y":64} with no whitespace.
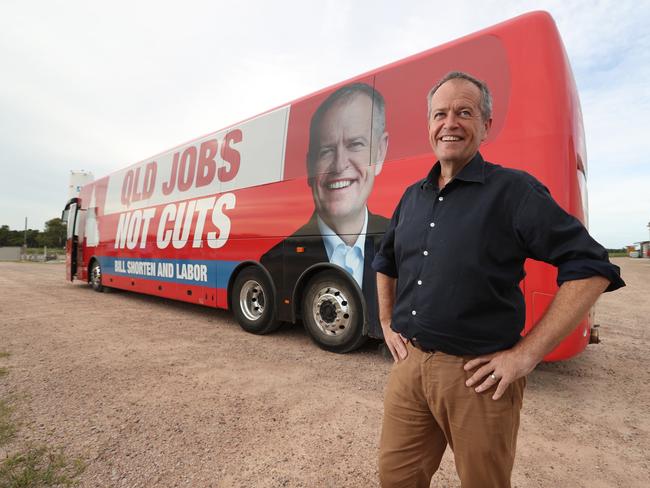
{"x":550,"y":234}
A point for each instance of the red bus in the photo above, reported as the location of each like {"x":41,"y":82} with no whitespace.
{"x":278,"y":217}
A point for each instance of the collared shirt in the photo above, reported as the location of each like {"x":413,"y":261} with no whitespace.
{"x":458,"y":256}
{"x":347,"y":257}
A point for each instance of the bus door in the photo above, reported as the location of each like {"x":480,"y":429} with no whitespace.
{"x":71,"y":217}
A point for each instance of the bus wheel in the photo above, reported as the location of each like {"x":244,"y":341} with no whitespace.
{"x":96,"y":277}
{"x":332,"y":313}
{"x":253,"y":302}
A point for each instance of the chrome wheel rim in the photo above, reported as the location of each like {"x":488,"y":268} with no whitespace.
{"x":96,"y":276}
{"x":332,"y":312}
{"x":252,"y":300}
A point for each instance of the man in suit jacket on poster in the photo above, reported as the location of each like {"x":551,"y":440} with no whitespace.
{"x":347,"y":147}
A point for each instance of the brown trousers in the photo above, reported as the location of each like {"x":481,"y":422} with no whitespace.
{"x":428,"y":406}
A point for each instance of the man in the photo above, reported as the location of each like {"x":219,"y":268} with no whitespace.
{"x":347,"y":147}
{"x":452,"y":320}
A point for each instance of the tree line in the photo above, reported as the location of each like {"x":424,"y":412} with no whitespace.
{"x":54,"y":235}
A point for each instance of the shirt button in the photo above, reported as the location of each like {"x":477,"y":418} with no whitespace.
{"x":440,"y":199}
{"x":432,"y":224}
{"x":419,"y":282}
{"x":413,"y":312}
{"x":426,"y":253}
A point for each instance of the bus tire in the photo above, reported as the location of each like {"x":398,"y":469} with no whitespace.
{"x":95,"y":277}
{"x":332,"y":313}
{"x":253,"y":302}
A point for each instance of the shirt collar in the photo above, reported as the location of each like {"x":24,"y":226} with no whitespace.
{"x":474,"y":171}
{"x":332,"y":240}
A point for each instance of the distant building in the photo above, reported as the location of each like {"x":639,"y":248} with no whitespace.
{"x":639,"y":250}
{"x":645,"y":249}
{"x":10,"y":253}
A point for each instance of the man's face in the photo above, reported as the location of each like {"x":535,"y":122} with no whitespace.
{"x":343,"y":168}
{"x":456,"y":127}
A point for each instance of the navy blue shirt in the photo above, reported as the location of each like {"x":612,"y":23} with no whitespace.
{"x":458,"y":255}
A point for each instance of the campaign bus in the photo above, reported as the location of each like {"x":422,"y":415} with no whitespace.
{"x":278,"y":217}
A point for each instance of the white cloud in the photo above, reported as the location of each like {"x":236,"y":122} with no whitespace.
{"x":615,"y":125}
{"x":619,"y":209}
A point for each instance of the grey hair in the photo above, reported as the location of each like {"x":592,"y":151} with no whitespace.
{"x":347,"y":93}
{"x":486,"y":99}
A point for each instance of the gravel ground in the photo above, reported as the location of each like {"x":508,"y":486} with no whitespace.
{"x":152,"y":393}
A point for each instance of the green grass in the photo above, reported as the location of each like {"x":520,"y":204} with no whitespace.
{"x":33,"y":466}
{"x":50,"y":250}
{"x":3,"y":371}
{"x":7,"y":427}
{"x":39,"y":467}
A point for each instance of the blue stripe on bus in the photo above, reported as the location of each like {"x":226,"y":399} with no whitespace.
{"x":185,"y":271}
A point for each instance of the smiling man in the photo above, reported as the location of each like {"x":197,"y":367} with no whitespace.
{"x":453,"y":320}
{"x":347,"y":147}
{"x":345,"y":154}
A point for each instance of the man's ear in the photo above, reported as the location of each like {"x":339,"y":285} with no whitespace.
{"x":488,"y":126}
{"x":382,"y":148}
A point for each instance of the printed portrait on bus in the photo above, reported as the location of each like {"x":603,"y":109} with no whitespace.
{"x":346,"y":151}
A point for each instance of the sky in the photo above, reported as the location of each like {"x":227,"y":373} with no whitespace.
{"x":100,"y":85}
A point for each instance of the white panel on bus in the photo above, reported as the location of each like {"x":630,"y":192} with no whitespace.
{"x":245,"y":155}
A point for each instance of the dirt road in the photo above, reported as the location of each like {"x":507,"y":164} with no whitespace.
{"x":156,"y":393}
